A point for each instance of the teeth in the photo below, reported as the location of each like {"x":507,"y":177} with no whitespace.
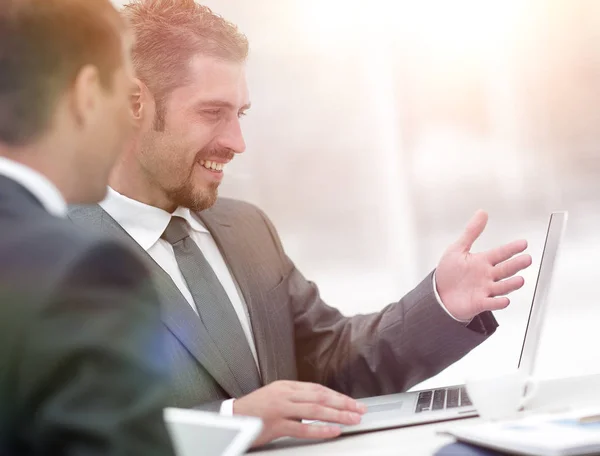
{"x":212,"y":165}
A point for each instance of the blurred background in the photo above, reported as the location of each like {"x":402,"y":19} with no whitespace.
{"x":379,"y":127}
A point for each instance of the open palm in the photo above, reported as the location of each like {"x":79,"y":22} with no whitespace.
{"x":471,"y":283}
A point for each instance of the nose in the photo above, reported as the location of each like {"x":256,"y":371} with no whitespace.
{"x":232,"y":137}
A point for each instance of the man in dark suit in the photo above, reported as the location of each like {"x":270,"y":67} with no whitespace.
{"x":246,"y":332}
{"x":81,"y":361}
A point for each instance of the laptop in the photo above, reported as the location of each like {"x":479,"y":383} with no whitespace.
{"x":194,"y":432}
{"x":449,"y":403}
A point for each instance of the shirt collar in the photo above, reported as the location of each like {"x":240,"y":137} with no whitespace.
{"x":144,"y":223}
{"x":37,"y":184}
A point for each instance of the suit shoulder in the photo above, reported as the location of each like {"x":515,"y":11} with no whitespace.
{"x":95,"y":261}
{"x":236,"y":211}
{"x":85,"y":215}
{"x":236,"y":206}
{"x":62,"y":243}
{"x":72,"y":237}
{"x":57,"y":256}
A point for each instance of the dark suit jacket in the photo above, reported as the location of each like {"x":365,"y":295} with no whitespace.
{"x":297,"y":336}
{"x":81,"y":362}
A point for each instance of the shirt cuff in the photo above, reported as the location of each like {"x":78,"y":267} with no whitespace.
{"x":439,"y":300}
{"x":227,"y":407}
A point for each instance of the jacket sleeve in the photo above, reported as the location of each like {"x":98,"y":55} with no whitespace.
{"x":381,"y":353}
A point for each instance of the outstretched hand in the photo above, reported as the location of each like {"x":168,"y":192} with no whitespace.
{"x":471,"y":283}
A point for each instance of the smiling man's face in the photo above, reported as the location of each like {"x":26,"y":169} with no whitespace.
{"x":186,"y":156}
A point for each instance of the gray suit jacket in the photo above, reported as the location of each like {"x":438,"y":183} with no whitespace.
{"x":297,"y":336}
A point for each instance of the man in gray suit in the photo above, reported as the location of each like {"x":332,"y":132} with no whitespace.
{"x":246,"y":332}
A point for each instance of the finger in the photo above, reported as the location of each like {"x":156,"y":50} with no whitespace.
{"x":507,"y":286}
{"x":317,"y":412}
{"x":297,"y":430}
{"x":500,"y":254}
{"x":329,"y":399}
{"x":318,"y":394}
{"x":511,"y":267}
{"x":473,"y":230}
{"x":495,"y":303}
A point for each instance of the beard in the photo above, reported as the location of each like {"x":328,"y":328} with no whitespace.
{"x":193,"y":199}
{"x":197,"y":200}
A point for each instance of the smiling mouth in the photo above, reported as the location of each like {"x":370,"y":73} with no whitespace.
{"x":212,"y":166}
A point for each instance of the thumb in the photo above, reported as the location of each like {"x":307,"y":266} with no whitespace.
{"x":473,"y":230}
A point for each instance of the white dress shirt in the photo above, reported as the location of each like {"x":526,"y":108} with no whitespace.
{"x":146,"y":224}
{"x":37,"y":184}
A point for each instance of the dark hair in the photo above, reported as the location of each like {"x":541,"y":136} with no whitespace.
{"x":43,"y":46}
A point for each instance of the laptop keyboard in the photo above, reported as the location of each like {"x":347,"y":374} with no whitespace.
{"x":442,"y":399}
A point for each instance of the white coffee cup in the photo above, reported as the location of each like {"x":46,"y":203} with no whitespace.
{"x":501,"y":396}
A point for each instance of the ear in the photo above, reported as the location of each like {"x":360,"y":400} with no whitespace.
{"x":85,"y":95}
{"x":142,"y":103}
{"x":136,"y":100}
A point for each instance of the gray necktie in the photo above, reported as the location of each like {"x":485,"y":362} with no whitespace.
{"x":214,"y":307}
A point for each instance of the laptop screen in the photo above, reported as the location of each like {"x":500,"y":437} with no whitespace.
{"x":537,"y":312}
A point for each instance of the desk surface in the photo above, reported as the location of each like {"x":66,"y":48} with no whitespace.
{"x":421,"y":440}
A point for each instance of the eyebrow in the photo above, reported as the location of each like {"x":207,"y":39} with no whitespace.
{"x":223,"y":104}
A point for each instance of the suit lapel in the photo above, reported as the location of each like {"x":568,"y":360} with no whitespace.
{"x":260,"y":318}
{"x":176,"y":312}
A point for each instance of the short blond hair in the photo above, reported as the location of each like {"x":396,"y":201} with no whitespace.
{"x":168,"y":33}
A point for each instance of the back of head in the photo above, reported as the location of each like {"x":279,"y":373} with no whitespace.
{"x":44,"y":47}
